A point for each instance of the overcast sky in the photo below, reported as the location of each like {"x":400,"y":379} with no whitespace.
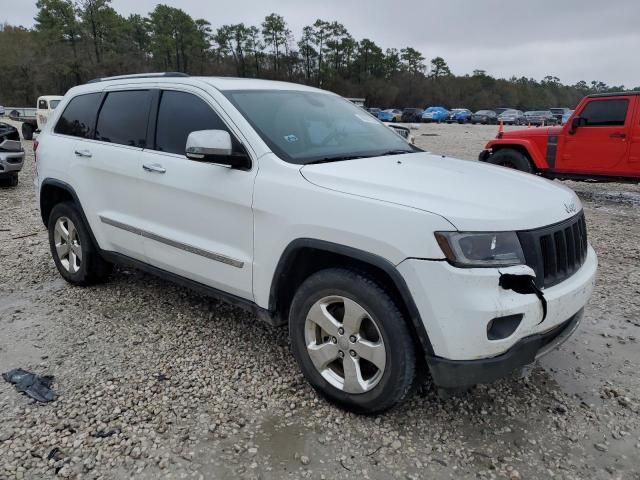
{"x":571,"y":39}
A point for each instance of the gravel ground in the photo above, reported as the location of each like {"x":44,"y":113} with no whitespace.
{"x":156,"y":381}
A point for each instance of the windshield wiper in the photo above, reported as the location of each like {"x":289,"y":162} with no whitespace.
{"x":334,"y":159}
{"x":395,"y":152}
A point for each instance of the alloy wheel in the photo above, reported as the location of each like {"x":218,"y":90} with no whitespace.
{"x":67,"y":243}
{"x":345,"y":344}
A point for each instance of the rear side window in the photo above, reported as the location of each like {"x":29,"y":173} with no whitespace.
{"x":79,"y":118}
{"x":180,"y":114}
{"x":123,"y":118}
{"x":42,"y":105}
{"x":605,"y":113}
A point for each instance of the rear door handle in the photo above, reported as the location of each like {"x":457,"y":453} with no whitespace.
{"x":83,"y":153}
{"x":617,"y":135}
{"x":154,"y":167}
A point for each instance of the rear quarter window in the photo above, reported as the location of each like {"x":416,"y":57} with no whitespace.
{"x":605,"y":113}
{"x":79,"y":117}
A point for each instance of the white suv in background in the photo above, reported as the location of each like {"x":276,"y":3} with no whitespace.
{"x":294,"y":203}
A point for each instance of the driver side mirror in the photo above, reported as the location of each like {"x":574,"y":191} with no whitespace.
{"x":215,"y":146}
{"x":575,"y":123}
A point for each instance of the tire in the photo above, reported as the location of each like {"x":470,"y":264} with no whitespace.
{"x":13,"y":180}
{"x":90,"y":268}
{"x":386,"y":382}
{"x":510,"y":158}
{"x":27,"y":131}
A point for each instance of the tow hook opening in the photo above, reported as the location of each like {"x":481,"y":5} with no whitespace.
{"x":525,"y":285}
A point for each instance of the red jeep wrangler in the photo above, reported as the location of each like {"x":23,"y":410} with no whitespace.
{"x":601,"y":140}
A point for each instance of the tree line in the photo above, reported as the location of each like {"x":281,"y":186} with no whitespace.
{"x":74,"y":41}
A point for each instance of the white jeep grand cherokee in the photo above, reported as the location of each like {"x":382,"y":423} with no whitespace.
{"x":298,"y":205}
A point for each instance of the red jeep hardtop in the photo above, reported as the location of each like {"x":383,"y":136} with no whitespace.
{"x":600,"y":140}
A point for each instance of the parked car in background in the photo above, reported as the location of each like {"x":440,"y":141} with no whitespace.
{"x":390,"y":115}
{"x":601,"y":141}
{"x":435,"y":114}
{"x":460,"y":115}
{"x":566,"y":116}
{"x":512,"y":117}
{"x":374,"y":111}
{"x":500,"y":110}
{"x":485,"y":117}
{"x":11,"y":154}
{"x":559,"y":113}
{"x":412,"y":115}
{"x":1,"y":111}
{"x":389,"y":261}
{"x":540,"y":117}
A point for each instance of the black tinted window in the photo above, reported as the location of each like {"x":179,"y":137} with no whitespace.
{"x":180,"y":114}
{"x":123,"y":118}
{"x":79,"y":118}
{"x":42,"y":105}
{"x":605,"y":113}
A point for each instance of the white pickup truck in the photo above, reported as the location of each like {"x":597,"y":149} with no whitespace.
{"x":33,"y":120}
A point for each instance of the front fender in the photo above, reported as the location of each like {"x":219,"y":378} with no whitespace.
{"x":533,"y":150}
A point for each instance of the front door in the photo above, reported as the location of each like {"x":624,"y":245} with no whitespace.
{"x":198,"y":216}
{"x":600,"y":145}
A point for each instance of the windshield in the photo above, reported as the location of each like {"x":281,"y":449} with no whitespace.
{"x":482,"y":112}
{"x":557,"y":110}
{"x":53,"y":104}
{"x":303,"y":127}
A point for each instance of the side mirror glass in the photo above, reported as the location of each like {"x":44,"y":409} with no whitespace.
{"x":214,"y":146}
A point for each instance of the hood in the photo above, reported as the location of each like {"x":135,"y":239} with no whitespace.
{"x":473,"y":196}
{"x":531,"y":132}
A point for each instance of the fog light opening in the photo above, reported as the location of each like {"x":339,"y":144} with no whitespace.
{"x":502,"y":327}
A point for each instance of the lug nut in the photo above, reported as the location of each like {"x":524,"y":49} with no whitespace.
{"x":341,"y":331}
{"x":352,"y":339}
{"x":352,"y":353}
{"x":341,"y":354}
{"x":334,"y":340}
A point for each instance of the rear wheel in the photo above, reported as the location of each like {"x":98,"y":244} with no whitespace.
{"x":73,"y":251}
{"x":508,"y":157}
{"x":27,"y":131}
{"x":351,"y":341}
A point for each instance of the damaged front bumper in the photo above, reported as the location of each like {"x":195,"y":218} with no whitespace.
{"x":465,"y":373}
{"x":481,"y":327}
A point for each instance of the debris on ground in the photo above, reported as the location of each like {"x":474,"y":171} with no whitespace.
{"x":32,"y":385}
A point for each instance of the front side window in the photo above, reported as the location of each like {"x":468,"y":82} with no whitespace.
{"x":180,"y":114}
{"x":53,"y":104}
{"x":79,"y":118}
{"x":605,"y":113}
{"x":123,"y":118}
{"x":303,"y":127}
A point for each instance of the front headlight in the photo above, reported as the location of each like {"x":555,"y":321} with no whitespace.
{"x":486,"y":249}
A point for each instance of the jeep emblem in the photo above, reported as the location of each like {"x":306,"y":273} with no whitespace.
{"x":570,"y":207}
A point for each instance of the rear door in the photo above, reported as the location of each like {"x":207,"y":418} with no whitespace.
{"x":198,"y":216}
{"x":105,"y":163}
{"x":601,"y":145}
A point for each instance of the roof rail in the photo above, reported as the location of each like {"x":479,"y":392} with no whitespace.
{"x":140,"y":75}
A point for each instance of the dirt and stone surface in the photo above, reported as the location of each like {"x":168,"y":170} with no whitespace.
{"x":155,"y":381}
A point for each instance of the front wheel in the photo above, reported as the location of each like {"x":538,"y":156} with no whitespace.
{"x":510,"y":158}
{"x":351,"y":341}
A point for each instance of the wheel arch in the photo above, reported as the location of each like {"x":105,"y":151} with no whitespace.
{"x":524,"y":147}
{"x":54,"y":191}
{"x":306,"y":256}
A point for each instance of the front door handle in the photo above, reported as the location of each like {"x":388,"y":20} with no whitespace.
{"x":617,"y":135}
{"x":154,"y":167}
{"x":83,"y":153}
